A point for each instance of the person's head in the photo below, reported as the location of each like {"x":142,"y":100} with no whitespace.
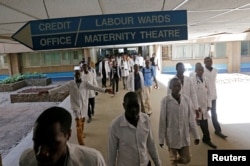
{"x":199,"y":69}
{"x":131,"y":106}
{"x":153,"y":55}
{"x":77,"y":75}
{"x":175,"y":86}
{"x":136,"y":68}
{"x":180,"y":68}
{"x":208,"y":62}
{"x":51,"y":132}
{"x":147,"y":62}
{"x":85,"y":68}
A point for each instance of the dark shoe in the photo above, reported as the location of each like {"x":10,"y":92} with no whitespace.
{"x":93,"y":113}
{"x":220,"y":134}
{"x":89,"y":120}
{"x":209,"y":143}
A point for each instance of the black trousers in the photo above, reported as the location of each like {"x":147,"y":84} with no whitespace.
{"x":104,"y":79}
{"x":115,"y":84}
{"x":216,"y":124}
{"x":91,"y":107}
{"x":205,"y":130}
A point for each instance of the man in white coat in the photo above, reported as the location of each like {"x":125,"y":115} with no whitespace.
{"x":89,"y":76}
{"x":175,"y":124}
{"x":79,"y":93}
{"x":104,"y":71}
{"x":135,"y":83}
{"x":211,"y":73}
{"x":202,"y":89}
{"x":51,"y":133}
{"x":187,"y":86}
{"x":130,"y":137}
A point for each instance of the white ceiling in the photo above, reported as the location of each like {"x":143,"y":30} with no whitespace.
{"x":205,"y":17}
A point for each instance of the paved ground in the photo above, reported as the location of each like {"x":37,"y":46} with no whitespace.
{"x":17,"y":119}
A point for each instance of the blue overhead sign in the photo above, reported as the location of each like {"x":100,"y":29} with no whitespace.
{"x":100,"y":30}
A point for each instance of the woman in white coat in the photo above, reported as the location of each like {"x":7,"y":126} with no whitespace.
{"x":202,"y":90}
{"x":135,"y":83}
{"x":125,"y":68}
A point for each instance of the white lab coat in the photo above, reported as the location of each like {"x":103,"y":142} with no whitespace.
{"x":92,"y":70}
{"x":107,"y":69}
{"x":131,"y":81}
{"x":188,"y":90}
{"x":78,"y":155}
{"x":202,"y":90}
{"x":129,"y":145}
{"x":78,"y":96}
{"x":176,"y":122}
{"x":211,"y":76}
{"x":92,"y":79}
{"x":125,"y":68}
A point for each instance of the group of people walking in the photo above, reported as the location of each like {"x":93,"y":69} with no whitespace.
{"x":130,"y":137}
{"x":137,"y":75}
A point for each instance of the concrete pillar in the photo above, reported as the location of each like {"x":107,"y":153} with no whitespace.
{"x":14,"y":64}
{"x":92,"y":53}
{"x":234,"y":56}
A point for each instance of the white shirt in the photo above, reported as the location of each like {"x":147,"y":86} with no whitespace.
{"x":129,"y":145}
{"x":202,"y":90}
{"x":78,"y":155}
{"x":92,"y":79}
{"x":131,"y":81}
{"x":78,"y":96}
{"x":176,"y":122}
{"x":211,"y":76}
{"x":188,"y":90}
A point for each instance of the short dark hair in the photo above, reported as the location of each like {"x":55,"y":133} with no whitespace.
{"x":129,"y":95}
{"x":172,"y":81}
{"x":198,"y":65}
{"x":178,"y":64}
{"x":56,"y":114}
{"x":208,"y":57}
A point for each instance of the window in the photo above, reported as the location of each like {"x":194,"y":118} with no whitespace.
{"x":192,"y":51}
{"x":220,"y":50}
{"x":3,"y":61}
{"x":245,"y":48}
{"x":52,"y":58}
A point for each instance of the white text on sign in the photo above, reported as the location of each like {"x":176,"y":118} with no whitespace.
{"x":154,"y":19}
{"x":54,"y":26}
{"x":53,"y":41}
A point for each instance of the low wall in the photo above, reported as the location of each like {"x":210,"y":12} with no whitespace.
{"x":38,"y":82}
{"x":12,"y":86}
{"x":35,"y":97}
{"x":27,"y":82}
